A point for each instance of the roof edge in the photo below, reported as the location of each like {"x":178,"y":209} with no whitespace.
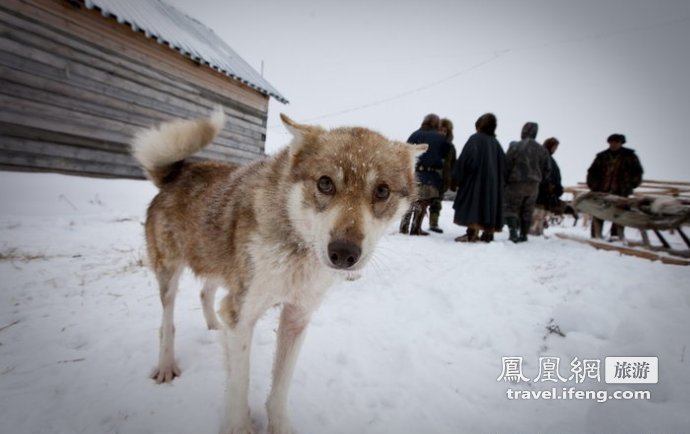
{"x":162,"y":40}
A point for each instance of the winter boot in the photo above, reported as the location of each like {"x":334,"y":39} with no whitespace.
{"x":524,"y":230}
{"x":471,"y":236}
{"x":513,"y":228}
{"x":405,"y":223}
{"x":433,"y":223}
{"x":419,"y":209}
{"x":617,"y":233}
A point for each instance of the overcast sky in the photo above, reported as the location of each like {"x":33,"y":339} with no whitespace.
{"x":581,"y":69}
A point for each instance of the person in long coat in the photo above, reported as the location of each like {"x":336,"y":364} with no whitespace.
{"x":551,"y":189}
{"x":479,"y":175}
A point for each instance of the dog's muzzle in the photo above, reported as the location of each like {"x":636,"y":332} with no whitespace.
{"x":343,"y":254}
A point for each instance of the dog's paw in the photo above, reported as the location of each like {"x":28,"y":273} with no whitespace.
{"x":280,"y":425}
{"x":213,"y":324}
{"x":166,"y":374}
{"x":239,"y":430}
{"x":238,"y":422}
{"x":281,"y":429}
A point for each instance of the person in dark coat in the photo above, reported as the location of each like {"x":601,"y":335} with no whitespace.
{"x":527,"y":165}
{"x":551,"y":189}
{"x":446,"y":129}
{"x":428,"y":169}
{"x":478,"y":173}
{"x":618,"y":171}
{"x":550,"y":192}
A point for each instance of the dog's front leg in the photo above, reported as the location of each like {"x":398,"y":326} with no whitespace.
{"x":291,"y":332}
{"x":167,"y":369}
{"x":238,"y":339}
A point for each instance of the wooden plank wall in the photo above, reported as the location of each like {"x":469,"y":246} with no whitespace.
{"x":75,"y":86}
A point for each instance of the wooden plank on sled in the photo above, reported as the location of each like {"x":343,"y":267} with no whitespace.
{"x":651,"y":256}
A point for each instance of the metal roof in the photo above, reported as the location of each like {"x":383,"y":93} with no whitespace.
{"x":171,"y":27}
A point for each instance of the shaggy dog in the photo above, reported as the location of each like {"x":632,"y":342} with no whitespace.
{"x":279,"y":231}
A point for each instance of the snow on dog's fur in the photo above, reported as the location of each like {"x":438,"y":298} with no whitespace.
{"x":278,"y":231}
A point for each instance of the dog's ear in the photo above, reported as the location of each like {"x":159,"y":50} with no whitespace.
{"x":292,"y":126}
{"x":414,"y":150}
{"x":297,"y":130}
{"x":418,"y":150}
{"x":302,"y":133}
{"x":410,"y":152}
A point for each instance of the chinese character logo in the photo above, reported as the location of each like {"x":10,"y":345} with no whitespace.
{"x":636,"y":370}
{"x":548,"y":370}
{"x":512,"y":370}
{"x":585,"y":369}
{"x":629,"y":370}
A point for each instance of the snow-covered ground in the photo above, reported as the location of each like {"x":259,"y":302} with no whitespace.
{"x":415,"y":346}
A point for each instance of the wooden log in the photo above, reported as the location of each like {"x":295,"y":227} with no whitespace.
{"x":19,"y":131}
{"x":644,"y":254}
{"x":12,"y":145}
{"x":640,"y":213}
{"x":645,"y":238}
{"x":661,"y":239}
{"x":228,"y":137}
{"x":124,"y":89}
{"x":26,"y":113}
{"x":684,"y":237}
{"x":677,"y":183}
{"x":22,"y":160}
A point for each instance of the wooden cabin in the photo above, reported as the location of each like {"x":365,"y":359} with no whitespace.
{"x":78,"y":78}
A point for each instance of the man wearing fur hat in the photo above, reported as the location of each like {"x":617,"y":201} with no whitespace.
{"x":527,"y":165}
{"x":618,"y":171}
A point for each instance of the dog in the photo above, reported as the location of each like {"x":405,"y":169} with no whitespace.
{"x":545,"y":217}
{"x":276,"y":232}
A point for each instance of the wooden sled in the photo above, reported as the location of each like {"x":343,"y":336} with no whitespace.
{"x":629,"y":251}
{"x":644,"y":213}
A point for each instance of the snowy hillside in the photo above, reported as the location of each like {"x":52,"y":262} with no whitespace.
{"x":415,"y":346}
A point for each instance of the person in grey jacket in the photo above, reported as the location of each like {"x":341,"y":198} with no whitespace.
{"x":527,"y":165}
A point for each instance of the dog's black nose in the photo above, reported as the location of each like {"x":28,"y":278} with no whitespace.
{"x":343,"y":254}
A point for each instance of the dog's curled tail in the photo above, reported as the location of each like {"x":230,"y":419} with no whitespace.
{"x":158,"y":149}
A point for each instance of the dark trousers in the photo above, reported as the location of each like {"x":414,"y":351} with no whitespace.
{"x":597,"y":229}
{"x":521,"y":198}
{"x":434,"y":211}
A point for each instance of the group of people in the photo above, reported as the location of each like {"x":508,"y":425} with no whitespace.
{"x":494,"y":188}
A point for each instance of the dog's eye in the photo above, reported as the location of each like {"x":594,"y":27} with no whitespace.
{"x":381,"y":192}
{"x":326,"y":185}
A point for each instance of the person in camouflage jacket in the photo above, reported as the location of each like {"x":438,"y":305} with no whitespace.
{"x":617,"y":171}
{"x":527,"y":165}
